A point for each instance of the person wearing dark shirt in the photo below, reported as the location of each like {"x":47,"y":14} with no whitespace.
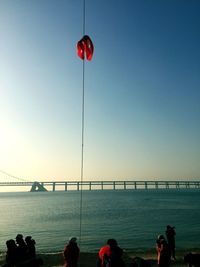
{"x":71,"y":253}
{"x":11,"y":253}
{"x":115,"y":254}
{"x":31,"y":253}
{"x":170,"y":234}
{"x":21,"y":247}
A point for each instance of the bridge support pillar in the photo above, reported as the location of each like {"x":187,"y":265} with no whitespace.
{"x":54,"y":186}
{"x":156,"y":185}
{"x":135,"y":184}
{"x":101,"y":185}
{"x":124,"y":185}
{"x":145,"y":183}
{"x":187,"y":185}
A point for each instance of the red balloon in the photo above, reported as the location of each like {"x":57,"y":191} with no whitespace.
{"x":85,"y":46}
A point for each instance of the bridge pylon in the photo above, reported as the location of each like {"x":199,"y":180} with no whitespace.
{"x":37,"y":187}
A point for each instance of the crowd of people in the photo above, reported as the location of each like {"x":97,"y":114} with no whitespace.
{"x":21,"y":252}
{"x":110,"y":255}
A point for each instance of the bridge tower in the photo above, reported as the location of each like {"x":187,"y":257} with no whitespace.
{"x":37,"y":187}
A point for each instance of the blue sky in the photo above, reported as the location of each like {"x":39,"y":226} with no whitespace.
{"x":142,"y":89}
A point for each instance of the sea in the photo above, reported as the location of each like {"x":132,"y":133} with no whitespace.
{"x":133,"y":217}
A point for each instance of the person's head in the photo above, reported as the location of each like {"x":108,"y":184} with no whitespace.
{"x":29,"y":240}
{"x":19,"y":238}
{"x":160,"y":237}
{"x":10,"y":244}
{"x":161,"y":240}
{"x":169,"y":227}
{"x":112,"y":242}
{"x":72,"y":240}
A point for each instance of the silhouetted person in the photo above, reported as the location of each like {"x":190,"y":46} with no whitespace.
{"x":163,"y":252}
{"x":170,"y":234}
{"x":110,"y":255}
{"x":71,"y":253}
{"x":115,"y":254}
{"x":11,"y":253}
{"x":21,"y":247}
{"x":31,"y":251}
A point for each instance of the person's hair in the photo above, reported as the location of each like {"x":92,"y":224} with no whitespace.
{"x":112,"y":242}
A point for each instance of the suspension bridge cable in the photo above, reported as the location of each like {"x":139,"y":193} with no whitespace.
{"x":12,"y":176}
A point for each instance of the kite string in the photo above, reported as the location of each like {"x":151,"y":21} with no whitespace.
{"x":82,"y":133}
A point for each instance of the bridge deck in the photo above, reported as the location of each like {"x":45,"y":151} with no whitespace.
{"x":114,"y":185}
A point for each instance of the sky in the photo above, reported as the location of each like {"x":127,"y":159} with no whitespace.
{"x":142,"y":90}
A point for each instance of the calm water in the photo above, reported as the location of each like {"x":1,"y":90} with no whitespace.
{"x":134,"y":218}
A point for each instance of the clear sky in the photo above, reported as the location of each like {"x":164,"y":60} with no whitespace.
{"x":142,"y":89}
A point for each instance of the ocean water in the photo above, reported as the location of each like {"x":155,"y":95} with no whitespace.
{"x":133,"y":217}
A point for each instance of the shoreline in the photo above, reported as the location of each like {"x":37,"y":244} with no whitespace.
{"x":89,"y":259}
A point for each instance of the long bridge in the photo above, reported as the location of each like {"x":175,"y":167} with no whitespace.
{"x":102,"y":185}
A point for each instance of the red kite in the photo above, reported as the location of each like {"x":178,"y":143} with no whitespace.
{"x":85,"y":46}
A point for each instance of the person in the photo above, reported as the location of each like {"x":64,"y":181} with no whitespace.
{"x":115,"y":254}
{"x":21,"y":247}
{"x":11,"y":253}
{"x":170,"y":234}
{"x":110,"y":255}
{"x":71,"y":253}
{"x":163,"y":252}
{"x":31,"y":251}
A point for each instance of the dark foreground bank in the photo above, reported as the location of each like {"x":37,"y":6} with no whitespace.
{"x":88,"y":259}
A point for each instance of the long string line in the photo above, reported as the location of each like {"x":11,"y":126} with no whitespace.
{"x":82,"y":133}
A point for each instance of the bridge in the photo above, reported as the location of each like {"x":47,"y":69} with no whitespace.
{"x":102,"y":185}
{"x":10,"y":180}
